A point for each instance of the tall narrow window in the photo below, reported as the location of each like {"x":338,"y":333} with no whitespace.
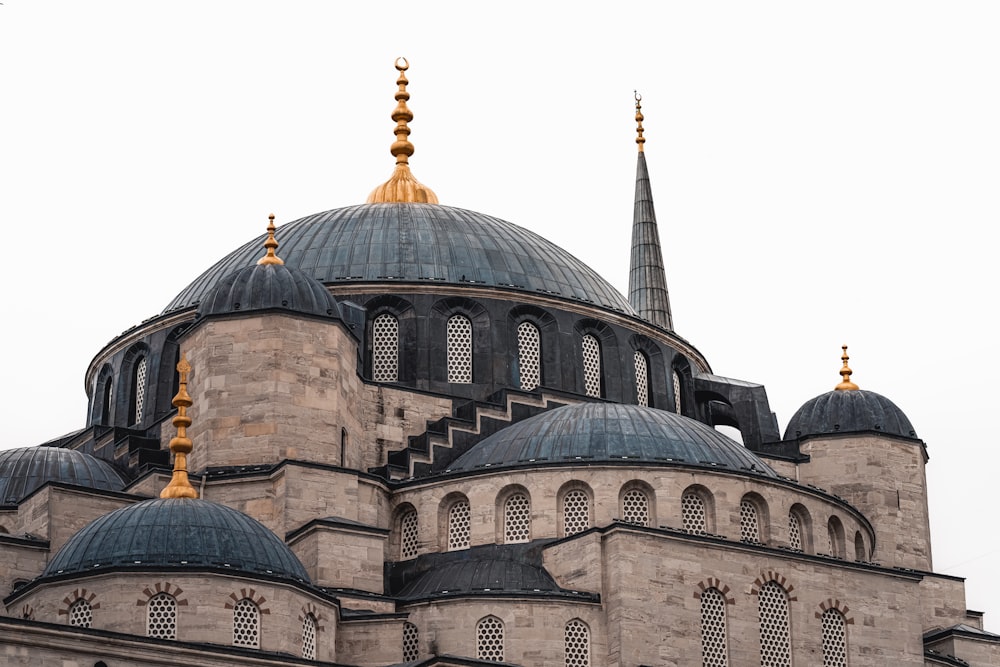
{"x":458,"y":525}
{"x":576,"y":512}
{"x":106,"y":398}
{"x":677,"y":391}
{"x":714,"y":642}
{"x":385,"y":348}
{"x":81,"y":613}
{"x":161,"y":616}
{"x":749,"y":523}
{"x":577,"y":644}
{"x":409,"y":535}
{"x":860,"y":553}
{"x":834,"y":639}
{"x":459,"y":349}
{"x":775,"y":640}
{"x":641,"y":379}
{"x":794,"y":531}
{"x":139,"y":389}
{"x":835,"y":530}
{"x":591,"y":366}
{"x":309,"y":631}
{"x":529,"y":356}
{"x":343,"y":446}
{"x":693,"y":513}
{"x":246,"y":624}
{"x":489,"y":639}
{"x":517,"y":519}
{"x":411,"y":642}
{"x":635,"y":507}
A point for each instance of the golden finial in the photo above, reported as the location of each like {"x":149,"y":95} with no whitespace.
{"x":845,"y":373}
{"x":180,"y":445}
{"x":271,"y":244}
{"x":638,"y":120}
{"x":402,"y":186}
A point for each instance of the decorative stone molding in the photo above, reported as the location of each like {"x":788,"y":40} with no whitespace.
{"x":712,"y":582}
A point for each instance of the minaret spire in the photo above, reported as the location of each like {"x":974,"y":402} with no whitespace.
{"x":180,"y":445}
{"x":647,"y":281}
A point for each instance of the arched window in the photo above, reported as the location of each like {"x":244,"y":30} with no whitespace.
{"x":714,"y":642}
{"x":577,"y":644}
{"x":529,"y":354}
{"x":489,"y":639}
{"x":591,"y":366}
{"x":800,"y":529}
{"x":749,"y":522}
{"x":794,"y":531}
{"x":309,"y":631}
{"x":641,"y":379}
{"x":107,"y":396}
{"x":677,"y":391}
{"x":81,"y":613}
{"x":860,"y":553}
{"x":834,"y":639}
{"x":138,"y":389}
{"x":576,"y":512}
{"x":835,"y":530}
{"x":409,"y":535}
{"x":246,"y":624}
{"x":517,"y":519}
{"x":385,"y":348}
{"x":343,"y":446}
{"x":161,"y":616}
{"x":635,"y":507}
{"x":693,"y":515}
{"x":775,"y":637}
{"x":459,"y":349}
{"x":458,"y":525}
{"x":411,"y":642}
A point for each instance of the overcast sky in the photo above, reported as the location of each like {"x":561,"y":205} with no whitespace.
{"x":824,"y":173}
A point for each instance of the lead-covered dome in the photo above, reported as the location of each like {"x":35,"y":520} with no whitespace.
{"x":395,"y":242}
{"x":26,"y":469}
{"x":849,"y":411}
{"x":602,"y":432}
{"x":177,"y":533}
{"x":268,"y":286}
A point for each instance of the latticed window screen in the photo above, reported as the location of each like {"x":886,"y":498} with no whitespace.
{"x":409,"y":535}
{"x":693,"y":513}
{"x":161,"y":616}
{"x":775,"y":640}
{"x":635,"y":507}
{"x":517,"y":519}
{"x":749,"y":523}
{"x":411,"y":642}
{"x":385,"y":348}
{"x":459,"y":349}
{"x":677,"y":391}
{"x":641,"y":379}
{"x":834,"y":639}
{"x":794,"y":531}
{"x":591,"y":366}
{"x":529,"y":355}
{"x":81,"y":614}
{"x":714,"y":651}
{"x":576,"y":512}
{"x":140,"y":388}
{"x":489,"y":639}
{"x":577,"y":644}
{"x":458,"y":525}
{"x":309,"y":628}
{"x":246,"y":624}
{"x":106,"y":401}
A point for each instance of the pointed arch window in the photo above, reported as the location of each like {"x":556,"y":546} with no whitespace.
{"x":81,"y":613}
{"x":411,"y":642}
{"x":459,"y":525}
{"x":860,"y":553}
{"x":489,"y":639}
{"x":107,"y":395}
{"x":529,"y":348}
{"x":577,"y":642}
{"x":591,"y":366}
{"x":749,"y":522}
{"x":576,"y":512}
{"x":835,"y":531}
{"x":138,"y":389}
{"x":693,"y":514}
{"x":714,"y":640}
{"x":246,"y":624}
{"x":309,"y":632}
{"x":775,"y":639}
{"x":459,"y":349}
{"x":517,"y":519}
{"x":677,"y":391}
{"x":161,"y":616}
{"x":794,"y":531}
{"x":409,"y":535}
{"x":385,"y":348}
{"x":641,"y":379}
{"x":635,"y":507}
{"x":834,"y":638}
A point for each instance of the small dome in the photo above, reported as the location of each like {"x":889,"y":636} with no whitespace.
{"x":849,"y":412}
{"x":177,"y":533}
{"x":265,"y":286}
{"x":592,"y":432}
{"x":26,"y":469}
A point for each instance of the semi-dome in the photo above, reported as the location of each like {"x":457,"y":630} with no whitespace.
{"x":477,"y":575}
{"x":267,"y":286}
{"x":849,"y":411}
{"x":394,"y":242}
{"x":602,"y":432}
{"x":177,"y":533}
{"x":26,"y":469}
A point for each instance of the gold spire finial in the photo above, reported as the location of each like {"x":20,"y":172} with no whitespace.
{"x":180,"y":445}
{"x":638,"y":120}
{"x":271,"y":244}
{"x":402,"y":186}
{"x":845,"y":373}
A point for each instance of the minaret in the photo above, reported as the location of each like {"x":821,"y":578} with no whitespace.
{"x":180,"y":445}
{"x":647,"y":281}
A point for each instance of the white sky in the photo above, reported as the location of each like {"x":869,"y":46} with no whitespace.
{"x":824,"y":173}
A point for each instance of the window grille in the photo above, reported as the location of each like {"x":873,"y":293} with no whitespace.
{"x":577,"y":644}
{"x":517,"y":519}
{"x":635,"y":508}
{"x":411,"y":642}
{"x":591,"y":366}
{"x":489,"y":639}
{"x":81,"y":614}
{"x":246,"y":624}
{"x":106,"y":401}
{"x":641,"y":379}
{"x":775,"y":642}
{"x":794,"y":531}
{"x":409,"y":529}
{"x":161,"y":616}
{"x":460,"y":349}
{"x":140,"y":388}
{"x":309,"y":631}
{"x":677,"y":391}
{"x":576,"y":512}
{"x":749,"y":523}
{"x":529,"y":356}
{"x":834,"y":639}
{"x":385,"y":348}
{"x":458,"y":525}
{"x":714,"y":651}
{"x":693,"y":513}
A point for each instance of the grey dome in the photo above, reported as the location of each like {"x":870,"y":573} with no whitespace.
{"x":266,"y":286}
{"x":419,"y":242}
{"x":177,"y":533}
{"x":477,"y":575}
{"x":600,"y":432}
{"x":846,"y":412}
{"x":24,"y":470}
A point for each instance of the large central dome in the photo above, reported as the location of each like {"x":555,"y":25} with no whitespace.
{"x":420,"y":242}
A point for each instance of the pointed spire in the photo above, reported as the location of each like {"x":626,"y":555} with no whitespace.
{"x":402,"y":186}
{"x":647,"y":281}
{"x":271,"y":245}
{"x":845,"y":374}
{"x":180,"y":445}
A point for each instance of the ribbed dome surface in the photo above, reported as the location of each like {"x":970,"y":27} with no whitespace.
{"x":26,"y":469}
{"x":177,"y":533}
{"x":591,"y":432}
{"x":264,"y":286}
{"x":418,"y":242}
{"x":479,"y":575}
{"x":846,"y":412}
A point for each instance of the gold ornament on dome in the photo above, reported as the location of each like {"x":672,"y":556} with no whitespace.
{"x":638,"y":121}
{"x":180,"y":445}
{"x":270,"y":245}
{"x":845,"y":373}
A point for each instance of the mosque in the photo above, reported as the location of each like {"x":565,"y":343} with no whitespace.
{"x":402,"y":432}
